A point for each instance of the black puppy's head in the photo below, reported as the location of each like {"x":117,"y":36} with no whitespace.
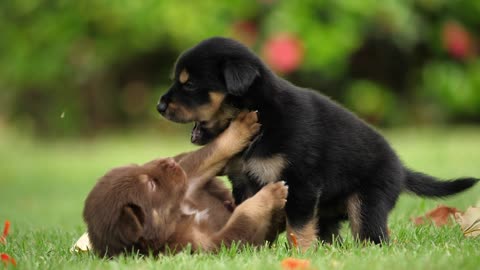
{"x":205,"y":77}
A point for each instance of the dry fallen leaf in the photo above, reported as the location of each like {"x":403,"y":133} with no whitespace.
{"x":440,"y":216}
{"x":82,"y":244}
{"x":293,"y":238}
{"x":469,"y":221}
{"x":6,"y":259}
{"x":295,"y":264}
{"x":6,"y":228}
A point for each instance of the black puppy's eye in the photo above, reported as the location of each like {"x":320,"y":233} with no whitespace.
{"x":189,"y":86}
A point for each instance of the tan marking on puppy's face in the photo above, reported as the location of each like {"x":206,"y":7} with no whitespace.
{"x":173,"y":106}
{"x":205,"y":132}
{"x":183,"y":77}
{"x":181,"y":113}
{"x":208,"y":111}
{"x":354,"y":213}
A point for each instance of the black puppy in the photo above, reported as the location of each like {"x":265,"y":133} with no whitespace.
{"x":336,"y":165}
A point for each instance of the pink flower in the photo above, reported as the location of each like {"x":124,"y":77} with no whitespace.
{"x":457,"y":40}
{"x":283,"y":52}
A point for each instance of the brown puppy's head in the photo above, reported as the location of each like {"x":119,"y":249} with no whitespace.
{"x":209,"y":80}
{"x":135,"y":207}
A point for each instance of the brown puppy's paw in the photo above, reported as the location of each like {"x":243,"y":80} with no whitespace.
{"x":238,"y":135}
{"x":245,"y":125}
{"x":278,"y":192}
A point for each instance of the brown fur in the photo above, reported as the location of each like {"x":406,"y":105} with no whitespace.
{"x":354,"y":214}
{"x":158,"y":206}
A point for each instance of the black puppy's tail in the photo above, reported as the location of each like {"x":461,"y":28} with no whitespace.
{"x":429,"y":186}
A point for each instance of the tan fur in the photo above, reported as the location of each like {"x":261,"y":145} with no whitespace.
{"x":257,"y":210}
{"x":180,"y":111}
{"x":207,"y":112}
{"x":267,"y":170}
{"x":183,"y":78}
{"x":354,"y":215}
{"x":152,"y":219}
{"x":143,"y":178}
{"x":305,"y":236}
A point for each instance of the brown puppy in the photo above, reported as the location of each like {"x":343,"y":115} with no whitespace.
{"x":168,"y":204}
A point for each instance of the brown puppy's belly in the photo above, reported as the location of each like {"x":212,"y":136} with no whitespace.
{"x":209,"y":205}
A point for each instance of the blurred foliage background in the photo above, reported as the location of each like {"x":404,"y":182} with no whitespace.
{"x":82,"y":67}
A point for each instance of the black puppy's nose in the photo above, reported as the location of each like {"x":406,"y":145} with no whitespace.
{"x":162,"y":106}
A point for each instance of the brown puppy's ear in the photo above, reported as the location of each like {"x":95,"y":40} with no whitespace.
{"x":239,"y":75}
{"x":130,"y":223}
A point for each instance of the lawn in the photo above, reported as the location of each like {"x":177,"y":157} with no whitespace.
{"x":44,"y":184}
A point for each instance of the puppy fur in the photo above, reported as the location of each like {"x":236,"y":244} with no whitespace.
{"x":337,"y":166}
{"x":168,"y":204}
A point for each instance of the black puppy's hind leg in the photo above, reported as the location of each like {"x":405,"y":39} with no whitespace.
{"x":328,"y":230}
{"x":368,"y":214}
{"x":302,"y":217}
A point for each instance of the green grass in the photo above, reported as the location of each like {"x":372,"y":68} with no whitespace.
{"x":44,"y":184}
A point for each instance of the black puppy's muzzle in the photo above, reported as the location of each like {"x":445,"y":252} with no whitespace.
{"x":162,"y":105}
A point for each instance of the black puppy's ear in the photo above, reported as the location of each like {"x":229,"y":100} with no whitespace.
{"x":239,"y":75}
{"x":130,"y":224}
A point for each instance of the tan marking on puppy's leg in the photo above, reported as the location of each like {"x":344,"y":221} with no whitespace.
{"x":267,"y":170}
{"x":305,"y":237}
{"x":354,"y":214}
{"x":183,"y":77}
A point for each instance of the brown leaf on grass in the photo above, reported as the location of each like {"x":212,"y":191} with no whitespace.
{"x":293,"y":238}
{"x":469,"y":221}
{"x":440,"y":216}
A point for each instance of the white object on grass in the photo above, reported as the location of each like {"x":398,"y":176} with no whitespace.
{"x":83,"y":244}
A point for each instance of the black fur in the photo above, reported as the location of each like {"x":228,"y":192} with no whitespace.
{"x":331,"y":153}
{"x":426,"y":185}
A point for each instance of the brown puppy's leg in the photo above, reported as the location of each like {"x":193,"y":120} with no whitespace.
{"x":205,"y":163}
{"x":250,"y":221}
{"x":217,"y":189}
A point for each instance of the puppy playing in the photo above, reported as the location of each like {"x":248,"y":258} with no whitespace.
{"x":168,"y":204}
{"x":337,"y":166}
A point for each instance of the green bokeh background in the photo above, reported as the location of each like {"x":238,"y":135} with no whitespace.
{"x":75,"y":68}
{"x":79,"y":82}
